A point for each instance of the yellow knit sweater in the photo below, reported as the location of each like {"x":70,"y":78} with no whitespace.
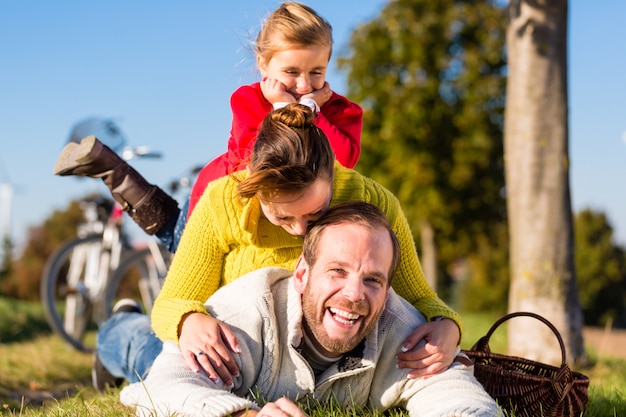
{"x":227,"y":237}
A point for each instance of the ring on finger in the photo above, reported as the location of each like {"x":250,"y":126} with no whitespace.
{"x":200,"y":353}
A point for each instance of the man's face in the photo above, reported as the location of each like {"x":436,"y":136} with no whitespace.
{"x":345,"y":292}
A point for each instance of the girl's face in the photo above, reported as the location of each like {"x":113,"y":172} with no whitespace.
{"x":294,"y":211}
{"x":301,"y":71}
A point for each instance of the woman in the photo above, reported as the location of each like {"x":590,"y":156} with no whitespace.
{"x":255,"y":218}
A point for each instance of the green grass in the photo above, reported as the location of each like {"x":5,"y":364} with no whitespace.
{"x":21,"y":320}
{"x":41,"y":376}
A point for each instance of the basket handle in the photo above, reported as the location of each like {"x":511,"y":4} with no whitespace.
{"x":506,"y":317}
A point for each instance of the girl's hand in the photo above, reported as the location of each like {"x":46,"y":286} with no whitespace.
{"x":436,"y":354}
{"x":203,"y":342}
{"x":320,"y":96}
{"x":275,"y":92}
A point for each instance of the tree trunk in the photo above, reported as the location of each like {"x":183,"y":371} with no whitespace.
{"x":543,"y":278}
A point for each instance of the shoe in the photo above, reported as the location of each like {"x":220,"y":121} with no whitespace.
{"x":127,"y":305}
{"x":101,"y":378}
{"x":148,"y":205}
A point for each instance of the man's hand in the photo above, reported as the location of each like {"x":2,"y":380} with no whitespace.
{"x":203,"y":342}
{"x":434,"y":356}
{"x":282,"y":407}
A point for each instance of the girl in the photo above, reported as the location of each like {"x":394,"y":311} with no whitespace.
{"x":292,"y":50}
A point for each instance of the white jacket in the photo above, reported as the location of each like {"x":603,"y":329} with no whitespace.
{"x":264,"y":311}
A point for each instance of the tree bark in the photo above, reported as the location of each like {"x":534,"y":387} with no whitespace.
{"x":543,"y":278}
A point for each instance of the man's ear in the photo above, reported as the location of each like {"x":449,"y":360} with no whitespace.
{"x":301,"y":275}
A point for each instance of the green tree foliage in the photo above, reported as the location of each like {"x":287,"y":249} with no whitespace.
{"x":430,"y":76}
{"x":601,"y":269}
{"x":488,"y":287}
{"x":25,"y":275}
{"x":6,"y":261}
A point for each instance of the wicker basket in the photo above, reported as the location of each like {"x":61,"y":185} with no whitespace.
{"x":526,"y":387}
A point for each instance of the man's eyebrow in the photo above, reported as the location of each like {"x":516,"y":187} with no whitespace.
{"x":335,"y":264}
{"x":341,"y":264}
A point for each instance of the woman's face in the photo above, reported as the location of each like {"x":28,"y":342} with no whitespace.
{"x":294,"y":211}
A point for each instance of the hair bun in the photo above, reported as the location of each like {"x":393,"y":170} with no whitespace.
{"x":294,"y":115}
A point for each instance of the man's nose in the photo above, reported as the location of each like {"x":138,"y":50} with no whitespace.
{"x":353,"y":289}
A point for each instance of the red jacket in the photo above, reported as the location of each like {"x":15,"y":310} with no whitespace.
{"x":339,"y":118}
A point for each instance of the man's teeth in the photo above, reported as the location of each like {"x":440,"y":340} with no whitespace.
{"x":343,"y":316}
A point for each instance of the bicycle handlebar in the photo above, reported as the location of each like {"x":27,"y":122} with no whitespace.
{"x":129,"y":153}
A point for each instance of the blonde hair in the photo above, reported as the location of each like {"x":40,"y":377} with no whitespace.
{"x":292,"y":25}
{"x":290,"y":153}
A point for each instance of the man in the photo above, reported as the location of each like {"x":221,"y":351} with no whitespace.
{"x":329,"y":330}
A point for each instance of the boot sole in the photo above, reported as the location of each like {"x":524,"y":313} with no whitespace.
{"x":74,"y":155}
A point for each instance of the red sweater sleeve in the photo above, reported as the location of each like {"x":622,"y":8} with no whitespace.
{"x":249,"y":108}
{"x":342,"y":120}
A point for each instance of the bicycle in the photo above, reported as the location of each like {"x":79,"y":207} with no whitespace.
{"x":86,"y":275}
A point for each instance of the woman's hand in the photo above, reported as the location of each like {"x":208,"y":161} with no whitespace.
{"x":206,"y":344}
{"x":436,"y":354}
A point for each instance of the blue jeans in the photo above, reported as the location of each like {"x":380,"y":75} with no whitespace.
{"x":169,"y":235}
{"x":127,"y":346}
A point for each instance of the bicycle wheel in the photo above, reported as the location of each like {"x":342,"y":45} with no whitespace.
{"x":139,"y":276}
{"x":67,"y":300}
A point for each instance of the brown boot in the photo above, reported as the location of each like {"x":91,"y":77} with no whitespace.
{"x":147,"y":204}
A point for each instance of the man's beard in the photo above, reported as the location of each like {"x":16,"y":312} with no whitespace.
{"x":315,"y":327}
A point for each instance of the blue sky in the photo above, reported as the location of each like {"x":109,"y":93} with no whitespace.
{"x":165,"y":71}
